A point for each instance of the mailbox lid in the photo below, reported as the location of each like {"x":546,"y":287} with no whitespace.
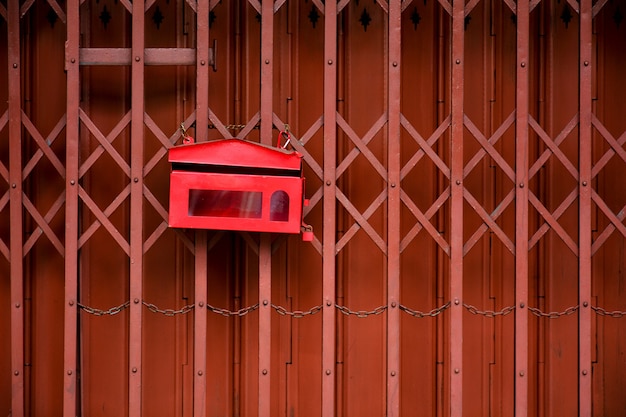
{"x":237,"y":153}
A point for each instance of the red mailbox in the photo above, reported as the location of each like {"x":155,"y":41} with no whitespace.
{"x":233,"y":184}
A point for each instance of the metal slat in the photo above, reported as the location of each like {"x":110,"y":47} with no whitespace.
{"x":456,"y":207}
{"x":585,"y":221}
{"x":136,"y":211}
{"x":15,"y":210}
{"x":521,"y":211}
{"x":393,"y":201}
{"x":329,"y":219}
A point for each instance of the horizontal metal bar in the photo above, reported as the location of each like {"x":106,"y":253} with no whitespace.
{"x":152,"y":56}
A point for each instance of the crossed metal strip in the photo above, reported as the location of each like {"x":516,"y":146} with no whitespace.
{"x":425,"y":146}
{"x":28,"y":3}
{"x":361,"y":221}
{"x":543,"y":229}
{"x":616,"y":146}
{"x":44,"y":147}
{"x":616,"y":222}
{"x":553,"y":223}
{"x":423,"y":220}
{"x":361,"y":146}
{"x":487,"y":148}
{"x":553,"y":147}
{"x":167,"y":142}
{"x":43,"y":223}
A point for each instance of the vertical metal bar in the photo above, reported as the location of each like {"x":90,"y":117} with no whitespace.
{"x":265,"y":251}
{"x":200,"y":323}
{"x":329,"y":216}
{"x":456,"y":221}
{"x":136,"y":210}
{"x":393,"y":202}
{"x":585,"y":225}
{"x":201,"y":266}
{"x":70,"y":323}
{"x":15,"y":210}
{"x":521,"y":211}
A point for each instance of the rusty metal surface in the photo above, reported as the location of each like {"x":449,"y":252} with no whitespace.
{"x":465,"y":164}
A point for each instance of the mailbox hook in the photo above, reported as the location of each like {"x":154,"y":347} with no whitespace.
{"x":284,"y":134}
{"x":186,"y":138}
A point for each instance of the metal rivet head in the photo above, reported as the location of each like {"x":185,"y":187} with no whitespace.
{"x":16,"y":373}
{"x":328,"y":303}
{"x":202,"y":62}
{"x":134,"y":370}
{"x":457,"y":370}
{"x":264,"y":371}
{"x":201,"y":304}
{"x":393,"y":373}
{"x":584,"y":183}
{"x":523,"y":64}
{"x":585,"y":304}
{"x":458,"y":182}
{"x":456,"y":301}
{"x":71,"y":303}
{"x":330,"y":62}
{"x":13,"y":185}
{"x":328,"y":183}
{"x":69,"y":372}
{"x":73,"y":60}
{"x":14,"y":65}
{"x":328,"y":372}
{"x":265,"y":302}
{"x":521,"y":305}
{"x":17,"y":305}
{"x":458,"y":61}
{"x":521,"y":373}
{"x":267,"y":61}
{"x":200,"y":373}
{"x":584,"y":372}
{"x":393,"y":185}
{"x":395,"y":64}
{"x":393,"y":304}
{"x":136,"y":301}
{"x":72,"y":182}
{"x":586,"y":63}
{"x":521,"y":185}
{"x":136,"y":179}
{"x":137,"y":59}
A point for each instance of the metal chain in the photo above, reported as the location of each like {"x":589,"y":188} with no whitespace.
{"x":420,"y":314}
{"x":296,"y":314}
{"x":361,"y":313}
{"x":489,"y":313}
{"x":169,"y":312}
{"x":614,"y":314}
{"x":553,"y":314}
{"x":110,"y":312}
{"x":229,"y":313}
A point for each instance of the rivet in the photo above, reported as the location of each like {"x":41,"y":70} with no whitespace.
{"x":134,"y":370}
{"x":267,"y":61}
{"x":200,"y":373}
{"x":393,"y":185}
{"x":264,"y":371}
{"x":17,"y":305}
{"x":73,"y":60}
{"x":523,"y":64}
{"x":328,"y":183}
{"x":521,"y":373}
{"x":72,"y":182}
{"x":457,"y":370}
{"x":456,"y":301}
{"x":393,"y":304}
{"x":585,"y":304}
{"x":201,"y":304}
{"x":202,"y":62}
{"x":69,"y":372}
{"x":136,"y":301}
{"x":458,"y":61}
{"x":584,"y":183}
{"x":393,"y":373}
{"x":328,"y":303}
{"x":16,"y":373}
{"x":330,"y":62}
{"x":395,"y":64}
{"x":586,"y":63}
{"x":71,"y":303}
{"x":584,"y":372}
{"x":137,"y":59}
{"x":136,"y":179}
{"x":14,"y":65}
{"x":13,"y":185}
{"x":458,"y":182}
{"x":328,"y":372}
{"x":265,"y":302}
{"x":521,"y":305}
{"x":521,"y":185}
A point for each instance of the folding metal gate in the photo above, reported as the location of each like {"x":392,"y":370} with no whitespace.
{"x":466,"y":167}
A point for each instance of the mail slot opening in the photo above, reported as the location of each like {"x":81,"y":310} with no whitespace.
{"x":279,"y":206}
{"x":225,"y":203}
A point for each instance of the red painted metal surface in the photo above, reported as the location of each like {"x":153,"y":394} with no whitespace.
{"x":110,"y":312}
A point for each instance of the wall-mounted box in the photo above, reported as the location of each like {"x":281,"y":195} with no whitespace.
{"x":233,"y":184}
